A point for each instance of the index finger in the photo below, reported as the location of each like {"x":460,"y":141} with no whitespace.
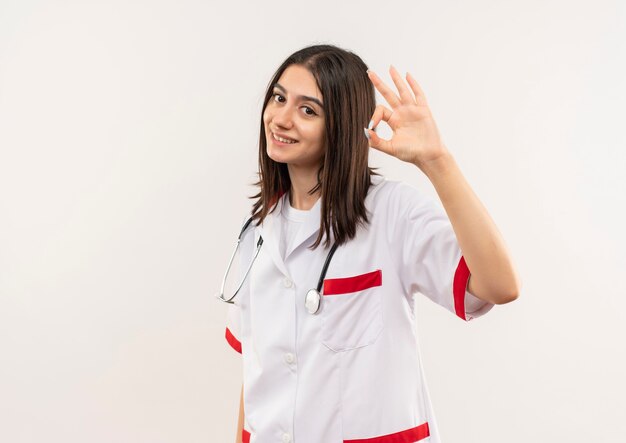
{"x":389,"y":95}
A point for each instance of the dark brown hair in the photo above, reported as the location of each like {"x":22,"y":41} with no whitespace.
{"x":344,"y":175}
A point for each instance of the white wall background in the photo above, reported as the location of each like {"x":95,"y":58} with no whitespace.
{"x":129,"y":137}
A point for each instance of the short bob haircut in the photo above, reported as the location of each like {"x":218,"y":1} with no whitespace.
{"x":344,"y":175}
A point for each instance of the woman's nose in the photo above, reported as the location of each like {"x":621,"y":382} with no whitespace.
{"x":284,"y":116}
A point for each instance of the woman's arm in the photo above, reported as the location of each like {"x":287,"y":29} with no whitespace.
{"x":493,"y":276}
{"x":416,"y":140}
{"x":240,"y":421}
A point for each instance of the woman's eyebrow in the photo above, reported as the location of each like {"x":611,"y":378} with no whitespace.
{"x":302,"y":97}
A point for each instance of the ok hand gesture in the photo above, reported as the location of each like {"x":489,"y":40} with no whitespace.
{"x":415,"y":137}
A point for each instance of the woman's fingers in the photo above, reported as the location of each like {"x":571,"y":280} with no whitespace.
{"x":381,"y":113}
{"x":420,"y":98}
{"x":381,"y":144}
{"x":386,"y":92}
{"x":405,"y":93}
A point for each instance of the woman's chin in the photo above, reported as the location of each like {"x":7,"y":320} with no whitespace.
{"x":278,"y":157}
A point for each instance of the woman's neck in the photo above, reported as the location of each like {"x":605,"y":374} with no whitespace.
{"x":301,"y":184}
{"x":303,"y":202}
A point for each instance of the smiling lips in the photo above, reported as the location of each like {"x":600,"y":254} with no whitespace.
{"x":282,"y":138}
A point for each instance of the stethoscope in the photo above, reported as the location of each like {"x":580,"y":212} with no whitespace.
{"x":312,"y":300}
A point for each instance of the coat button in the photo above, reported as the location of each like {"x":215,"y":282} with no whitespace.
{"x":289,"y":357}
{"x":287,"y":282}
{"x":286,"y":438}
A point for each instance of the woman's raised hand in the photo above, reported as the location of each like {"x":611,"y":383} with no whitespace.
{"x":415,"y":137}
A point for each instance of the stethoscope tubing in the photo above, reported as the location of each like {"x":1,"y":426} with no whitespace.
{"x":258,"y":248}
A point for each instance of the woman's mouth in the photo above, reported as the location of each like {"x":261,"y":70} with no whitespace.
{"x":282,"y":141}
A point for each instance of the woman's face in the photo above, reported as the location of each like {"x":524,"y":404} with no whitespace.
{"x":295,"y":112}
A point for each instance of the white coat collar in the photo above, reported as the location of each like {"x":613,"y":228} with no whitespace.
{"x":270,"y":229}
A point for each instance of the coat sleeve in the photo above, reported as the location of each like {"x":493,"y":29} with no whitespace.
{"x":427,"y":252}
{"x":233,"y":316}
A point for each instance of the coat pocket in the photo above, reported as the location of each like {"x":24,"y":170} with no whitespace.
{"x":245,"y":436}
{"x":352,"y":314}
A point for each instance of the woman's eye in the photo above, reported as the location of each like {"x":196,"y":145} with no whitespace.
{"x":275,"y":95}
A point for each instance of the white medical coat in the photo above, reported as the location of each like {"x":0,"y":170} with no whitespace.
{"x":352,"y":372}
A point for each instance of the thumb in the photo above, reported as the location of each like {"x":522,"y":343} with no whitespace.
{"x":376,"y":142}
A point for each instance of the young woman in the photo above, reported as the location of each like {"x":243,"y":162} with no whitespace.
{"x":325,"y":317}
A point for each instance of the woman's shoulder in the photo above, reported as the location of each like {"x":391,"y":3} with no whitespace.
{"x":395,"y":193}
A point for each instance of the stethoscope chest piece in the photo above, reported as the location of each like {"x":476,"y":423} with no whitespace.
{"x":312,"y":301}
